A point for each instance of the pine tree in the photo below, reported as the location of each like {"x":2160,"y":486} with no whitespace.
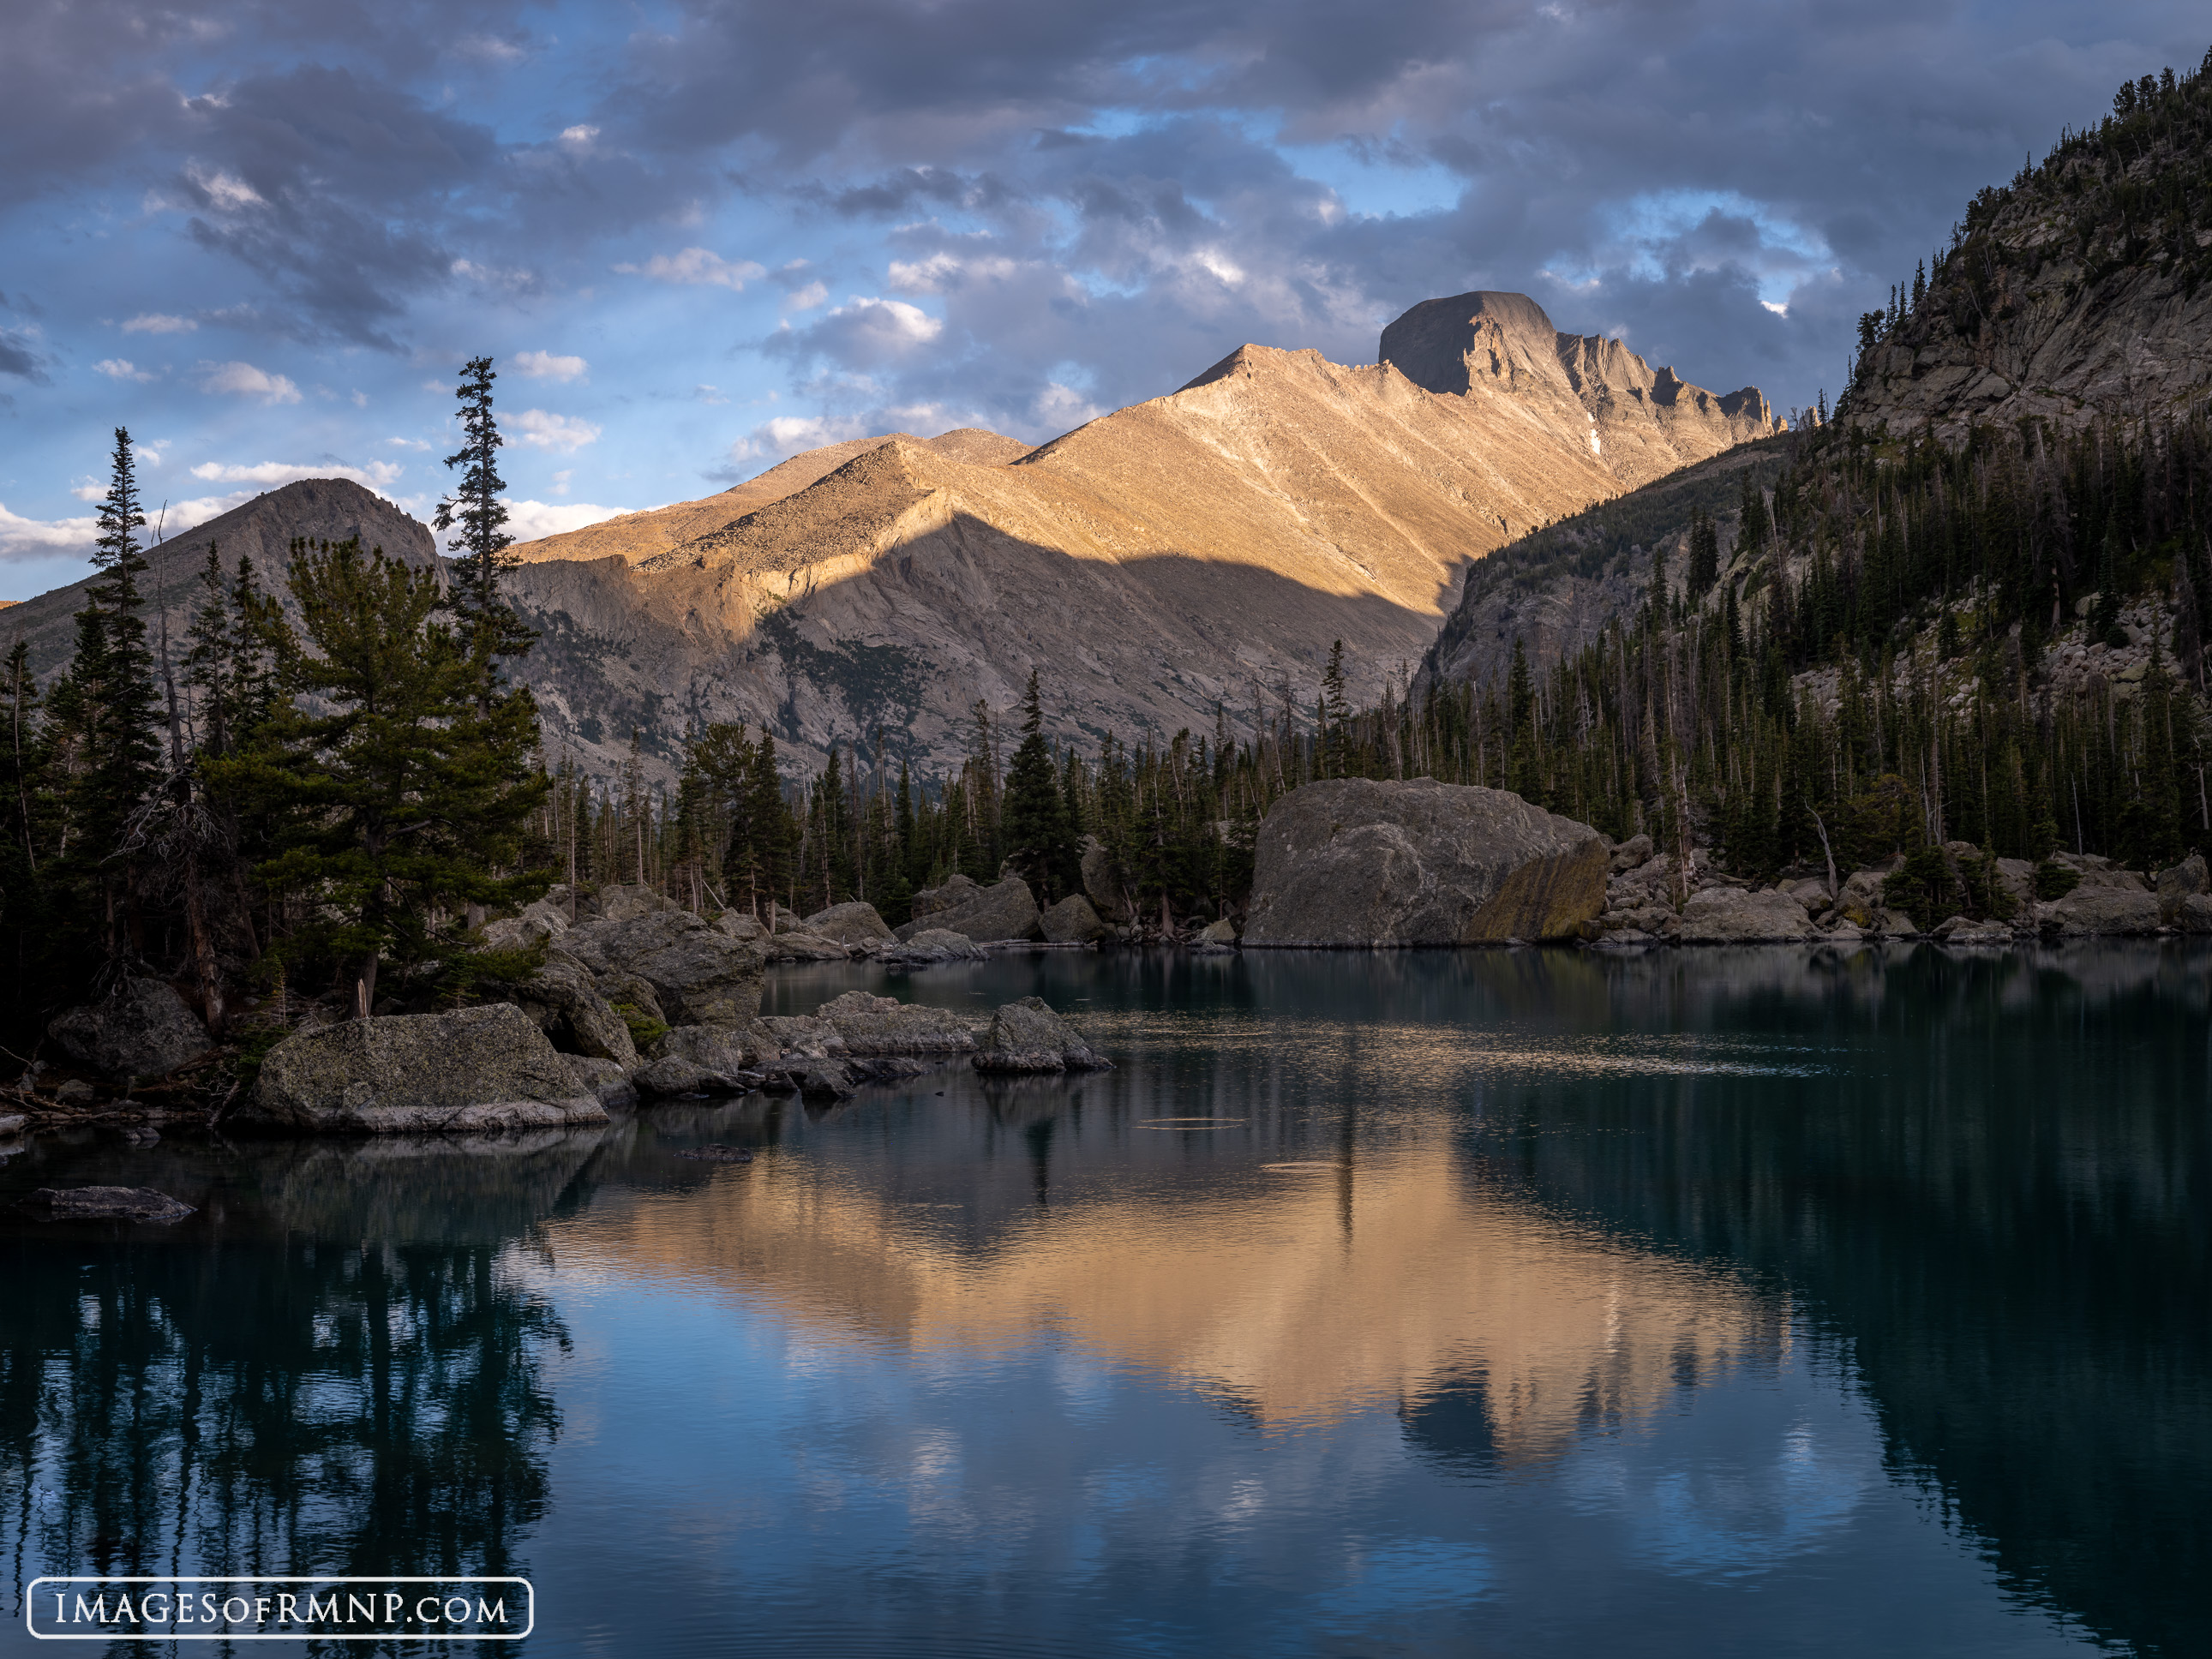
{"x":402,"y":802}
{"x":109,"y":706}
{"x":1034,"y":824}
{"x":489,"y":626}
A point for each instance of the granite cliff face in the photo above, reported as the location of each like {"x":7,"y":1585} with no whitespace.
{"x":1204,"y":548}
{"x":2078,"y":289}
{"x":1642,"y":423}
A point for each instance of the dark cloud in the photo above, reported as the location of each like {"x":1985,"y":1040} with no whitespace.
{"x":17,"y":358}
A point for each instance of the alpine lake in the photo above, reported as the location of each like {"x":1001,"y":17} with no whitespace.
{"x":1513,"y":1302}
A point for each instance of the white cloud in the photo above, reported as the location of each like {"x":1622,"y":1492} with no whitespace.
{"x":228,"y":191}
{"x":942,"y":270}
{"x":245,"y":381}
{"x":529,"y":521}
{"x":542,"y":430}
{"x":20,"y":537}
{"x":561,"y":482}
{"x":708,"y":394}
{"x":806,"y":299}
{"x":697,"y":266}
{"x":121,"y":368}
{"x":407,"y":443}
{"x":154,"y":322}
{"x":544,"y":365}
{"x":1062,"y":409}
{"x":377,"y":474}
{"x":579,"y":135}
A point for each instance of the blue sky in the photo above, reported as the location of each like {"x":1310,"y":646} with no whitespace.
{"x":697,"y":238}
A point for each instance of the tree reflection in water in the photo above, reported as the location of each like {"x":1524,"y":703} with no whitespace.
{"x":208,"y":1400}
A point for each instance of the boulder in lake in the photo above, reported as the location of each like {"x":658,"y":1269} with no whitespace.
{"x":1354,"y":861}
{"x":855,"y":923}
{"x":803,"y":945}
{"x":143,"y":1029}
{"x":786,"y":1036}
{"x":1730,"y":915}
{"x":1221,"y":931}
{"x":700,"y":976}
{"x":603,"y":1079}
{"x":696,"y":1060}
{"x":1030,"y":1036}
{"x":883,"y":1025}
{"x":931,"y":945}
{"x":474,"y":1068}
{"x":1961,"y":931}
{"x":1071,"y":921}
{"x":104,"y":1204}
{"x":1004,"y":911}
{"x":2102,"y":909}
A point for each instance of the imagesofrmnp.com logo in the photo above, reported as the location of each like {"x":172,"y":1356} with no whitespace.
{"x":247,"y":1609}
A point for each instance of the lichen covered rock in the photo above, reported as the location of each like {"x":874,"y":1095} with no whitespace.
{"x":884,"y":1025}
{"x":1353,"y":862}
{"x":144,"y":1030}
{"x":473,"y":1068}
{"x":1730,"y":915}
{"x":1030,"y":1036}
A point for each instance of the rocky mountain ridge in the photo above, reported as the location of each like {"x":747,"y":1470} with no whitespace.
{"x":1203,"y":550}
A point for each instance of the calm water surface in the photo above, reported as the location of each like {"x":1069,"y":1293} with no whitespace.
{"x":1514,"y":1302}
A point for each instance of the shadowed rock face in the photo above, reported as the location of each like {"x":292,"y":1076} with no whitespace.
{"x":1355,"y":862}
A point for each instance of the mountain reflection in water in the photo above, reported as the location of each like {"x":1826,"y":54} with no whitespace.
{"x":1702,"y":1303}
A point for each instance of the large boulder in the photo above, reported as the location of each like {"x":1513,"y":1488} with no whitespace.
{"x":803,"y":945}
{"x":931,"y":945}
{"x":884,"y":1025}
{"x":567,"y":1004}
{"x":142,"y":1030}
{"x":1729,"y":915}
{"x":1007,"y":910}
{"x":104,"y":1204}
{"x":2101,"y":909}
{"x":1103,"y":886}
{"x":540,"y":923}
{"x":849,"y":924}
{"x":1351,"y":861}
{"x":2185,"y":880}
{"x":1071,"y":921}
{"x":957,"y":891}
{"x":602,"y":1077}
{"x":473,"y":1068}
{"x":700,"y":976}
{"x":1029,"y":1036}
{"x":617,"y":902}
{"x":787,"y":1036}
{"x":693,"y":1060}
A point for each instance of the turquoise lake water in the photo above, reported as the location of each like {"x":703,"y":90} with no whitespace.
{"x":1518,"y":1303}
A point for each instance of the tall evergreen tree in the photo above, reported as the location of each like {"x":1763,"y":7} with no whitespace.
{"x":398,"y":802}
{"x":1034,"y":824}
{"x":489,"y":626}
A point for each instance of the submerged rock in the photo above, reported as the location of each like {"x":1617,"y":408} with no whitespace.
{"x":1030,"y":1036}
{"x":144,"y":1030}
{"x":717,"y":1153}
{"x":104,"y":1204}
{"x":1353,"y":861}
{"x":473,"y":1068}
